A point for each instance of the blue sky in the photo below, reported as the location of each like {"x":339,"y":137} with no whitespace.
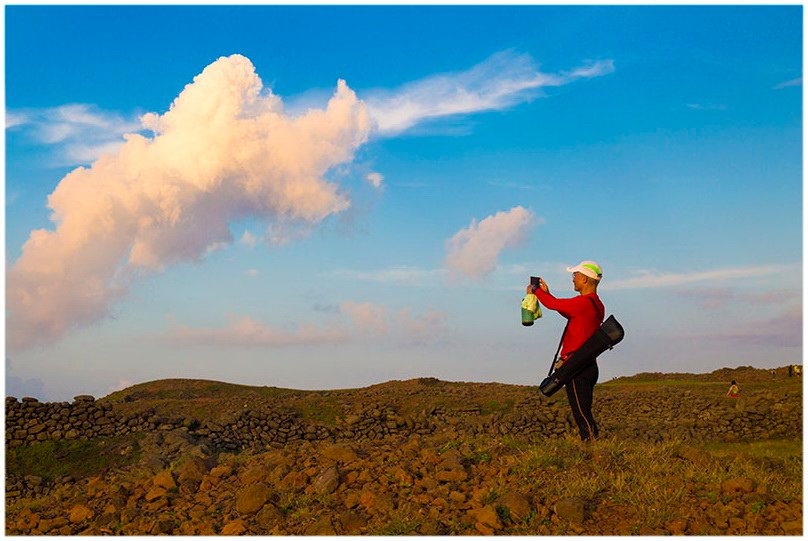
{"x":278,"y":227}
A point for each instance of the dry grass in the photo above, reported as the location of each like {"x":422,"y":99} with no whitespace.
{"x":651,"y":478}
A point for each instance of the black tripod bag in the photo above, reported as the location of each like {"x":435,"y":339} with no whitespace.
{"x":608,"y":335}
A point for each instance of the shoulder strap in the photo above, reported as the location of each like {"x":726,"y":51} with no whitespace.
{"x":597,"y":310}
{"x":555,"y":357}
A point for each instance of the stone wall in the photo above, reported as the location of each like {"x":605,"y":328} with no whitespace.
{"x":658,"y":415}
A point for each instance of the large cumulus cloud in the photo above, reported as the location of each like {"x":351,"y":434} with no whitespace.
{"x":224,"y":151}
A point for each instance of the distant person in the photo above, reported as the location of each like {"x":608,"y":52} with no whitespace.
{"x":734,"y":390}
{"x":584,"y":313}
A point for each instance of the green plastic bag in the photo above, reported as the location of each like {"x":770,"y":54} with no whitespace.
{"x":531,"y":310}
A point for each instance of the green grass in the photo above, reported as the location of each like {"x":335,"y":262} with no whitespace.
{"x":496,"y":406}
{"x":52,"y":460}
{"x":323,"y":411}
{"x":775,"y":449}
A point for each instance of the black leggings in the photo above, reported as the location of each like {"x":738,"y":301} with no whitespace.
{"x":579,"y":395}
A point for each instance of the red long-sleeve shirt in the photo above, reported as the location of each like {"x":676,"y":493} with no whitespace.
{"x":583,"y":318}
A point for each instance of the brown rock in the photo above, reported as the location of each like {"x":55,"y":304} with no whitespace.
{"x":254,"y":475}
{"x":327,"y":482}
{"x":401,"y":476}
{"x":155,"y":493}
{"x":340,"y":452}
{"x":445,"y":476}
{"x":792,"y":527}
{"x":486,"y":516}
{"x":321,"y":527}
{"x":375,"y":504}
{"x":352,"y":523}
{"x":457,"y":497}
{"x":221,"y":471}
{"x":268,"y":517}
{"x":79,"y":513}
{"x":517,"y":504}
{"x":237,"y":527}
{"x":743,"y":485}
{"x":163,"y":527}
{"x":165,"y":480}
{"x":352,"y":499}
{"x":676,"y":526}
{"x":295,"y":480}
{"x":252,"y":498}
{"x":570,"y":509}
{"x":27,"y":520}
{"x":192,"y":471}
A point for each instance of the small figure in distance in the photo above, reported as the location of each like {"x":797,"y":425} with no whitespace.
{"x":734,"y":390}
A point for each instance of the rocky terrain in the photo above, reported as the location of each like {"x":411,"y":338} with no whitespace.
{"x":189,"y":457}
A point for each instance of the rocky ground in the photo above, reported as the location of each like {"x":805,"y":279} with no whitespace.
{"x":448,"y":481}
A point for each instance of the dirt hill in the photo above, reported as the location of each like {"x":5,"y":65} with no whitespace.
{"x":420,"y":456}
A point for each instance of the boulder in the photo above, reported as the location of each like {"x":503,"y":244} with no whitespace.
{"x":252,"y":498}
{"x":79,"y":513}
{"x":340,"y":452}
{"x":486,"y":519}
{"x":517,"y":504}
{"x":165,"y":480}
{"x":321,"y":527}
{"x":237,"y":527}
{"x":571,"y":509}
{"x":327,"y":482}
{"x":743,"y":485}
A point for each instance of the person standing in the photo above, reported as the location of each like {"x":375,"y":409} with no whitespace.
{"x":584,"y":314}
{"x":734,"y":390}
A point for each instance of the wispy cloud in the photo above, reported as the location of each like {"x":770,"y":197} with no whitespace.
{"x":375,"y":179}
{"x":653,"y":279}
{"x":783,"y":330}
{"x":501,"y":81}
{"x":81,"y":133}
{"x":719,"y":297}
{"x":787,"y":84}
{"x":246,"y":331}
{"x":707,"y":106}
{"x":356,"y":322}
{"x":473,"y":251}
{"x":396,"y":275}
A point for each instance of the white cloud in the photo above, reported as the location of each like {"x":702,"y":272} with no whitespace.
{"x":782,"y":330}
{"x":361,"y":322}
{"x":248,"y":239}
{"x":399,"y":275}
{"x":82,"y":133}
{"x":245,"y":331}
{"x":501,"y":81}
{"x":653,"y":279}
{"x":787,"y":84}
{"x":429,"y":328}
{"x":707,"y":106}
{"x":375,"y":179}
{"x":366,"y":316}
{"x":473,"y":251}
{"x":224,"y":151}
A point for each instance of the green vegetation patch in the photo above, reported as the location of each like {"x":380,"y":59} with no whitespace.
{"x":53,"y":460}
{"x":497,"y":406}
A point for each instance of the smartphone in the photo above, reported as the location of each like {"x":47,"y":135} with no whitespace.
{"x":534,"y":280}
